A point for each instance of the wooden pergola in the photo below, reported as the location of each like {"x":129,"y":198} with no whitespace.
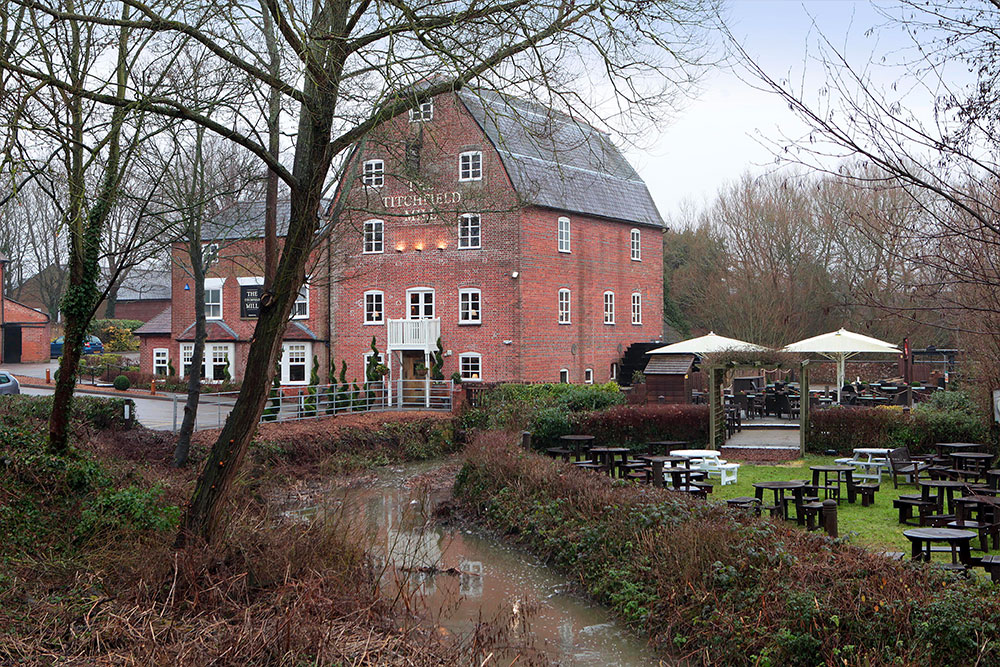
{"x":717,"y":365}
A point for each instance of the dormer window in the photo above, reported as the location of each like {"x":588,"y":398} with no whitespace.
{"x":374,"y":173}
{"x":470,"y":166}
{"x":424,"y":112}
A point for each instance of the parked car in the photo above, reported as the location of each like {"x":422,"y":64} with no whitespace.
{"x":91,"y":345}
{"x":8,"y":384}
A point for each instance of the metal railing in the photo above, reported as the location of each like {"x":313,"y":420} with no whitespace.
{"x":314,"y":402}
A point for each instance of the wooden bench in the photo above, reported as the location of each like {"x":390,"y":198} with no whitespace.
{"x":746,"y":503}
{"x":812,"y":512}
{"x":992,"y":565}
{"x":557,"y":452}
{"x":906,"y":506}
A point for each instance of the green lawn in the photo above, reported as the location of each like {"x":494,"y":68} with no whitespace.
{"x":875,"y":526}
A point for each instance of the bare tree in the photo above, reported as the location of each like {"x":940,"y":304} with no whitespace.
{"x":353,"y":67}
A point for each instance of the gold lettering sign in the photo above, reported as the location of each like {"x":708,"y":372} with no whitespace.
{"x":422,"y":199}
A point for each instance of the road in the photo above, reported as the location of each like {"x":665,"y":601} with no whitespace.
{"x":159,"y":414}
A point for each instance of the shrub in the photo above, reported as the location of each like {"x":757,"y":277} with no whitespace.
{"x":514,"y":406}
{"x":101,"y":413}
{"x":131,"y":507}
{"x":122,"y":383}
{"x":943,"y":418}
{"x":635,"y":425}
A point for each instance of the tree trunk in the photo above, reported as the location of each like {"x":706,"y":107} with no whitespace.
{"x":111,"y":301}
{"x":312,"y":163}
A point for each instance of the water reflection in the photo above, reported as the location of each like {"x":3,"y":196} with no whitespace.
{"x":467,"y":577}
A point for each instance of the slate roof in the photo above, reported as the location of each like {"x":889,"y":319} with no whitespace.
{"x":560,"y":162}
{"x":145,"y":285}
{"x":216,"y":330}
{"x":245,"y":220}
{"x":669,"y":364}
{"x":299,"y":331}
{"x":159,"y":324}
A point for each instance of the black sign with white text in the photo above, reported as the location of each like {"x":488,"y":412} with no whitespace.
{"x":249,"y":300}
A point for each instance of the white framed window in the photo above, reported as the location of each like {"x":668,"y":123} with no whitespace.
{"x":614,"y":370}
{"x":423,"y":112}
{"x":374,"y":236}
{"x":161,"y":361}
{"x":373,"y":173}
{"x":469,"y":231}
{"x":588,"y":376}
{"x":300,"y":309}
{"x":364,"y":363}
{"x":636,"y":245}
{"x":296,"y":363}
{"x":470,"y":365}
{"x":636,"y":308}
{"x":213,"y":298}
{"x":187,"y":352}
{"x":218,"y":359}
{"x":374,"y":307}
{"x":564,"y":306}
{"x":563,"y":376}
{"x":420,"y":303}
{"x":563,"y":231}
{"x":470,"y":306}
{"x":470,"y":166}
{"x":609,"y":307}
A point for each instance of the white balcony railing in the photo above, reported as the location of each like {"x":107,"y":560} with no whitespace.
{"x":414,"y":334}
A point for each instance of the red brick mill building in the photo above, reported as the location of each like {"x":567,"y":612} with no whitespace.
{"x":519,"y":236}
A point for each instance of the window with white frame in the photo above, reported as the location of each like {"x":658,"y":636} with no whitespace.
{"x":636,"y":308}
{"x":609,"y":307}
{"x":373,"y":174}
{"x":469,"y":306}
{"x":216,"y":362}
{"x":563,"y":231}
{"x":220,"y":356}
{"x":296,"y":363}
{"x":564,"y":306}
{"x":425,"y":111}
{"x":469,"y":231}
{"x":213,"y":298}
{"x":588,"y":376}
{"x":470,"y":365}
{"x":209,"y":255}
{"x":563,"y":376}
{"x":300,"y":309}
{"x":365,"y":360}
{"x":374,"y":236}
{"x":161,"y":361}
{"x":374,"y":307}
{"x":470,"y":166}
{"x":420,"y":302}
{"x":614,"y":371}
{"x":636,"y":245}
{"x":187,"y":352}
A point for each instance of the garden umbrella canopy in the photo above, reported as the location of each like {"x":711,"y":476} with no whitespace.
{"x":840,"y":346}
{"x":707,"y":344}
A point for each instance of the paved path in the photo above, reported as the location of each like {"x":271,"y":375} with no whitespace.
{"x":158,"y":413}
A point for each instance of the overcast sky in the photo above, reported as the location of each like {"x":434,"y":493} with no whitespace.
{"x":717,"y":136}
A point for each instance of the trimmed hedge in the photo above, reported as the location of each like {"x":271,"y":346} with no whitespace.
{"x":518,"y":406}
{"x":635,"y":425}
{"x":843,"y":429}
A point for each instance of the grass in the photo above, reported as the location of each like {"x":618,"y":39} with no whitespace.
{"x":876,"y":527}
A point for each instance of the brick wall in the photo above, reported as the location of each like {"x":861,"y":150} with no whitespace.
{"x":35,"y":331}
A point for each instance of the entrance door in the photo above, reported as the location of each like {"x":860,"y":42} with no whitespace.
{"x":413,"y":392}
{"x":11,"y":345}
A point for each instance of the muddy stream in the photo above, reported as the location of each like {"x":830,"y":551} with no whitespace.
{"x":463,"y":575}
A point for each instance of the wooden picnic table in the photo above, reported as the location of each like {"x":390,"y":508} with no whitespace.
{"x":576,"y":442}
{"x":665,"y":445}
{"x":841,"y":474}
{"x":971,"y":463}
{"x":959,"y":541}
{"x":606,"y":457}
{"x":946,"y":487}
{"x":795,"y":487}
{"x":945,"y":448}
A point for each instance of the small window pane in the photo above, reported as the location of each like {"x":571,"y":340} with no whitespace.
{"x":470,"y":166}
{"x":470,"y":365}
{"x":300,"y":309}
{"x":423,"y":112}
{"x":374,"y":173}
{"x":421,"y":305}
{"x":564,"y":235}
{"x":564,"y":306}
{"x":469,"y":306}
{"x":564,"y":376}
{"x":373,"y":307}
{"x":213,"y":304}
{"x":374,"y":236}
{"x":469,"y":231}
{"x":636,"y":308}
{"x":636,"y":245}
{"x":609,"y":307}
